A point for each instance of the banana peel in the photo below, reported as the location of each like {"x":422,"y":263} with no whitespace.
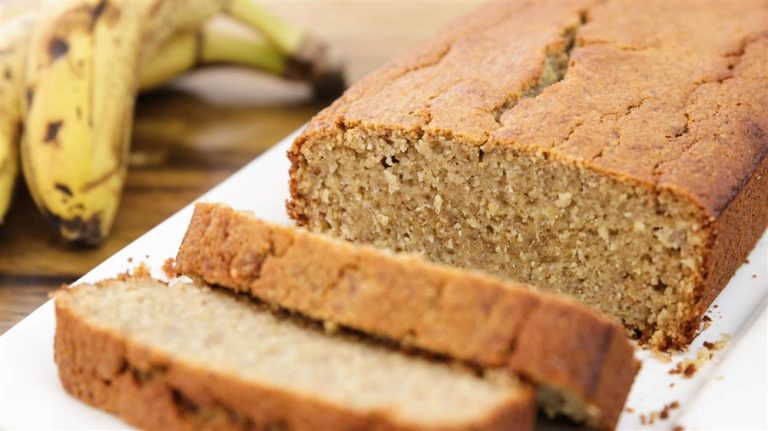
{"x":211,"y":45}
{"x":79,"y":68}
{"x":14,"y":36}
{"x":82,"y":78}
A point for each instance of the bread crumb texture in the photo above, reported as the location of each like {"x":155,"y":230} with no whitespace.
{"x":462,"y":314}
{"x":182,"y":356}
{"x":663,"y":414}
{"x":613,"y":151}
{"x":689,"y":366}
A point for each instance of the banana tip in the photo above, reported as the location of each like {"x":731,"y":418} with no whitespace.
{"x":312,"y":62}
{"x":328,"y":84}
{"x":77,"y":231}
{"x":311,"y":51}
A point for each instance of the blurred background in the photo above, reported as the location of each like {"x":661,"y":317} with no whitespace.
{"x":193,"y":133}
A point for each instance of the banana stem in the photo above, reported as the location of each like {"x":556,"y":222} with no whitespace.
{"x":283,"y":36}
{"x":220,"y":47}
{"x":306,"y":56}
{"x":289,"y":52}
{"x":208,"y":46}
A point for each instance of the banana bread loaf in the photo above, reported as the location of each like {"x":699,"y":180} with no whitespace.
{"x":582,"y":363}
{"x":614,"y":151}
{"x":187,"y":357}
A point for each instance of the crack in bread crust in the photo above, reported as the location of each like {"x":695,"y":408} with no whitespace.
{"x":666,"y":114}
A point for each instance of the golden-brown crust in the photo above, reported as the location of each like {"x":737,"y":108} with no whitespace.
{"x":439,"y":88}
{"x":730,"y":238}
{"x":688,"y":104}
{"x":153,"y":391}
{"x":458,"y":313}
{"x":653,"y":96}
{"x":601,"y":373}
{"x":733,"y":236}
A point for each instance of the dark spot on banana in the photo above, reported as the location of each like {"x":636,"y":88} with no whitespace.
{"x":64,"y":189}
{"x":97,"y":11}
{"x":78,"y":113}
{"x":77,"y":232}
{"x":52,"y":131}
{"x":8,"y":74}
{"x":18,"y":132}
{"x":103,"y":11}
{"x":155,"y":7}
{"x":199,"y":44}
{"x":30,"y":95}
{"x":104,"y":177}
{"x":57,"y":48}
{"x":329,"y":84}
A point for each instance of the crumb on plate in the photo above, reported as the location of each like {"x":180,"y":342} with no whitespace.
{"x":169,"y":268}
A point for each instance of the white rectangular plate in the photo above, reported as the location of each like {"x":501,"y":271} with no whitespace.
{"x":728,"y":392}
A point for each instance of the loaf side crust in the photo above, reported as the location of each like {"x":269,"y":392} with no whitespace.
{"x":675,"y":106}
{"x":732,"y":238}
{"x":462,"y":314}
{"x":152,"y":391}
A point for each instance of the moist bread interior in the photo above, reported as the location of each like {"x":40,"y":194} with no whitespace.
{"x":215,"y":331}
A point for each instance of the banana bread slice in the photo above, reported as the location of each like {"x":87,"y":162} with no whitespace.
{"x":614,"y":151}
{"x":581,"y":361}
{"x":187,"y":357}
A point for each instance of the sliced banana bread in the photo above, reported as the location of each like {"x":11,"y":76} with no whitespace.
{"x":582,"y":362}
{"x":611,"y":150}
{"x":188,"y":357}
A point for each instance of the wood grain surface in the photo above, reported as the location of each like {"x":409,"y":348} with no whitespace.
{"x":202,"y":128}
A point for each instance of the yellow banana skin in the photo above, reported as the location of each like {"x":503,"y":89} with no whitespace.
{"x":13,"y":49}
{"x":210,"y":45}
{"x":287,"y":38}
{"x":78,"y":69}
{"x":81,"y":80}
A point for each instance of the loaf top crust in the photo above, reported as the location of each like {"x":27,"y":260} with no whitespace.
{"x":671,"y":95}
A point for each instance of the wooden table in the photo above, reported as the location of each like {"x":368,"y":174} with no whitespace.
{"x":190,"y":137}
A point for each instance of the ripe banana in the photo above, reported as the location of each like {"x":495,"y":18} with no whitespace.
{"x":78,"y":71}
{"x":289,"y":51}
{"x":288,"y":39}
{"x":13,"y":47}
{"x":82,"y":77}
{"x":306,"y":54}
{"x":211,"y":45}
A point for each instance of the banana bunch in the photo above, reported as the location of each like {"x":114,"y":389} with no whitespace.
{"x":69,"y":76}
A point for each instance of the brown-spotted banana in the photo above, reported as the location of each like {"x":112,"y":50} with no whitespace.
{"x":80,"y":92}
{"x":14,"y":35}
{"x":81,"y":82}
